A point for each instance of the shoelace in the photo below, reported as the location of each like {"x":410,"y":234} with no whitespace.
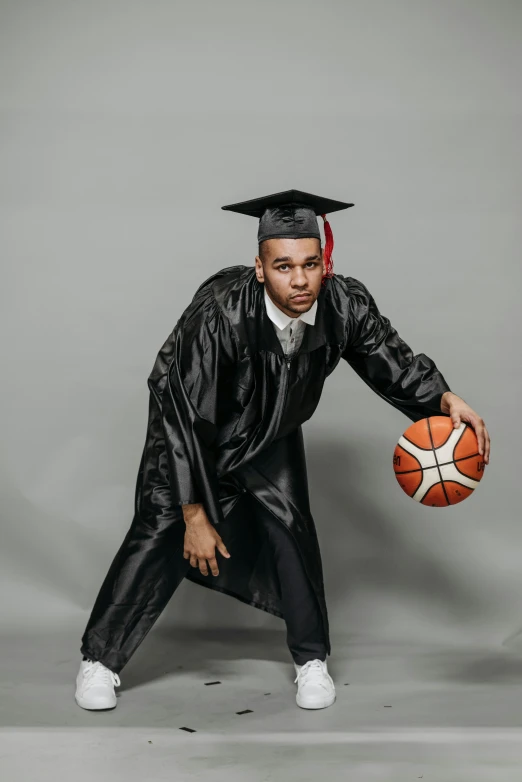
{"x":96,"y":671}
{"x":311,"y":667}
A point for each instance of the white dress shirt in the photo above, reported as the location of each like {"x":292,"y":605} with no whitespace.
{"x":289,"y":330}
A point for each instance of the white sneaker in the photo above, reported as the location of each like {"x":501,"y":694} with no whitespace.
{"x":95,"y":686}
{"x":315,"y":687}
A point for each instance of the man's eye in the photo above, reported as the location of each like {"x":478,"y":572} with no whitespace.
{"x":309,"y":263}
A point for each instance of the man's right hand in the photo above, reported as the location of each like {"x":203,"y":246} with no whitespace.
{"x":201,"y":539}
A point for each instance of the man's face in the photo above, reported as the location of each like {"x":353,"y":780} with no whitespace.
{"x":288,"y":268}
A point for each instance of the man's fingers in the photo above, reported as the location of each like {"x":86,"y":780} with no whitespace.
{"x":482,"y":434}
{"x":213,"y":566}
{"x":480,"y":430}
{"x":484,"y":439}
{"x":222,"y":548}
{"x":200,"y":554}
{"x":488,"y":445}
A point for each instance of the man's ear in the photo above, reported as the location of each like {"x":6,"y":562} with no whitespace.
{"x":259,"y":269}
{"x":322,"y":260}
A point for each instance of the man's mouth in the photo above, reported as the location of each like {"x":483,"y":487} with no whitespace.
{"x":301,"y":296}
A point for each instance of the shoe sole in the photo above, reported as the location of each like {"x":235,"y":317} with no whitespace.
{"x":103,"y":706}
{"x":322,"y":704}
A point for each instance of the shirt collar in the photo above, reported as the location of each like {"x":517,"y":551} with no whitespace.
{"x":281,"y":319}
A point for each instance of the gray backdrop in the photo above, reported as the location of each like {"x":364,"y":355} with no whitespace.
{"x":124,"y":127}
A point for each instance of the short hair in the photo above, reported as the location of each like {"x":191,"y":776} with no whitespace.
{"x":260,"y":251}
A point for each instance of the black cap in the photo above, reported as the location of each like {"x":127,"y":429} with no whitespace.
{"x":290,"y":214}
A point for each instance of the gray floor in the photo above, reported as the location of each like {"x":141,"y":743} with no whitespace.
{"x":403,"y":712}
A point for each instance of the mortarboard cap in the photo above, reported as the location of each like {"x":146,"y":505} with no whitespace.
{"x":291,"y":214}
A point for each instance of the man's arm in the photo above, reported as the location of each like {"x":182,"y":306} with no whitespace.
{"x":192,"y":511}
{"x":202,"y":365}
{"x":373,"y":348}
{"x":411,"y":383}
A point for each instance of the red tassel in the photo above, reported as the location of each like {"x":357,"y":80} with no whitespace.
{"x":328,"y":248}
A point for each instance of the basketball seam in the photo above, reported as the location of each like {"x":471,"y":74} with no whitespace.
{"x":420,"y":447}
{"x":463,"y":473}
{"x":437,"y":463}
{"x":442,"y":464}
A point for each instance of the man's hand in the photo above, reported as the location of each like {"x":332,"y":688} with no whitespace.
{"x":201,"y":539}
{"x":459,"y":411}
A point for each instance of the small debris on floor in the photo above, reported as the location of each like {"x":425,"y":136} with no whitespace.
{"x":387,"y":707}
{"x":346,"y":684}
{"x":246,"y":711}
{"x":208,"y":683}
{"x":268,"y":693}
{"x":150,"y":742}
{"x":189,"y":730}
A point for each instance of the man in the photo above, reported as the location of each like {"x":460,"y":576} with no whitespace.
{"x":221,"y":494}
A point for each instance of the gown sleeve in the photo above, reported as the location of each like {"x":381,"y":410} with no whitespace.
{"x":198,"y":380}
{"x":373,"y":348}
{"x":189,"y":387}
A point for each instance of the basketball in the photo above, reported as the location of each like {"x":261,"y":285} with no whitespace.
{"x":436,"y":463}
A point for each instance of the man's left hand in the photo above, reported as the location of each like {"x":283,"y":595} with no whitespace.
{"x":459,"y":411}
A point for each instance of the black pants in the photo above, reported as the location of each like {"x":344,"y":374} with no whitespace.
{"x":129,"y":572}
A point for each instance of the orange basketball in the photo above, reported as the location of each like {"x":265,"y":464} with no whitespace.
{"x":437,"y":464}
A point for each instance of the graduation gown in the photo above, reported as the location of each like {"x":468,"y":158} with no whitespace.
{"x":226,"y":409}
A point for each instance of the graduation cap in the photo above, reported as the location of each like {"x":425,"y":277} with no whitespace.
{"x":291,"y":214}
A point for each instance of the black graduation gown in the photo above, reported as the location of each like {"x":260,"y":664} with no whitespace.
{"x":226,"y":410}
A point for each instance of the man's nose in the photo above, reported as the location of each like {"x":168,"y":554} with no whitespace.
{"x":298,"y":279}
